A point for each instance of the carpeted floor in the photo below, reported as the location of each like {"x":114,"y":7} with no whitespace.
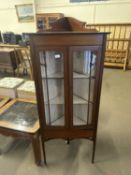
{"x":113,"y":153}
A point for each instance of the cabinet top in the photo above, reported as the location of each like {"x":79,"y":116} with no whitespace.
{"x":67,"y":38}
{"x":69,"y":33}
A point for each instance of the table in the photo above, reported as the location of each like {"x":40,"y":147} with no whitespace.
{"x":19,"y":118}
{"x":3,"y":100}
{"x":12,"y":45}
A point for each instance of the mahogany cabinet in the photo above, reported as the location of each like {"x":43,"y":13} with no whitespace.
{"x":68,"y":69}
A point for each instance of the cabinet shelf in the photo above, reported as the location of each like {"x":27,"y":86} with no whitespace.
{"x":60,"y":75}
{"x":60,"y":100}
{"x":79,"y":100}
{"x":60,"y":121}
{"x":54,"y":75}
{"x":78,"y":75}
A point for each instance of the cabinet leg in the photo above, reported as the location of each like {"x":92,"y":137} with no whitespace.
{"x":94,"y":150}
{"x":37,"y":149}
{"x":68,"y":141}
{"x":43,"y":147}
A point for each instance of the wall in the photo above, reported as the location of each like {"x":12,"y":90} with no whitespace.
{"x":103,"y":12}
{"x":115,"y":11}
{"x":9,"y":20}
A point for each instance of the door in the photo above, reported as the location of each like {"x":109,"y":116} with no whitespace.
{"x":83,"y":73}
{"x":52,"y":71}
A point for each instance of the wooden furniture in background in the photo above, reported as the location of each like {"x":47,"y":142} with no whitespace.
{"x":16,"y":58}
{"x":25,"y":65}
{"x":118,"y":50}
{"x":19,"y":118}
{"x":44,"y":20}
{"x":3,"y":100}
{"x":9,"y":85}
{"x":27,"y":90}
{"x":68,"y":75}
{"x":69,"y":24}
{"x":8,"y":60}
{"x":11,"y":46}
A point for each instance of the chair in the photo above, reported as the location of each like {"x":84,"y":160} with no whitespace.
{"x":23,"y":60}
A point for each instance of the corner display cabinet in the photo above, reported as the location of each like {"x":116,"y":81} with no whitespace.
{"x":68,"y":69}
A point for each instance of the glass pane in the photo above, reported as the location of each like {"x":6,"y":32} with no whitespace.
{"x":84,"y":64}
{"x":52,"y":65}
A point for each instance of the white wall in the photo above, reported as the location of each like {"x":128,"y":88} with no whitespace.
{"x":114,"y":11}
{"x":9,"y":20}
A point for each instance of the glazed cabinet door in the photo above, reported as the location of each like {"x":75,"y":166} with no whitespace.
{"x":83,"y":75}
{"x":52,"y":70}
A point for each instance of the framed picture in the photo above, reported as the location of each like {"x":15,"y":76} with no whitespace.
{"x":25,"y":12}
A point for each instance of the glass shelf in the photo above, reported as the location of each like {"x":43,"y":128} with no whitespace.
{"x":60,"y":75}
{"x":78,"y":75}
{"x":60,"y":100}
{"x":79,"y":100}
{"x":56,"y":100}
{"x":78,"y":121}
{"x":54,"y":75}
{"x":60,"y":121}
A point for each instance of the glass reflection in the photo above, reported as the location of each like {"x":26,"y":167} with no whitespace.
{"x":52,"y":64}
{"x":84,"y":64}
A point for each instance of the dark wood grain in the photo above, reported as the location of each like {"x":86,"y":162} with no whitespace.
{"x":68,"y":42}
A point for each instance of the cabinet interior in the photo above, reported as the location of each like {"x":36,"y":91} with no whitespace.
{"x":52,"y":74}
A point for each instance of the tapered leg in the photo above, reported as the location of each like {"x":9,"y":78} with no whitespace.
{"x":94,"y":150}
{"x":68,"y":141}
{"x":43,"y":147}
{"x":37,"y":149}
